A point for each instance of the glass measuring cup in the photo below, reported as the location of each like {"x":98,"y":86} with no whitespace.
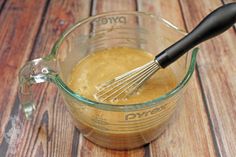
{"x":111,"y":126}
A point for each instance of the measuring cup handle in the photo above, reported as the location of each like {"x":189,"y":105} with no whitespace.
{"x":34,"y":72}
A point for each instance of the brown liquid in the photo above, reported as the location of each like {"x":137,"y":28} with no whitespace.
{"x":123,"y":129}
{"x":104,"y":65}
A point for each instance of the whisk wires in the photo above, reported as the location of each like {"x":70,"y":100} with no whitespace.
{"x":126,"y":84}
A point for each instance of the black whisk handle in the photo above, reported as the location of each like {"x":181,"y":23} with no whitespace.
{"x":212,"y":25}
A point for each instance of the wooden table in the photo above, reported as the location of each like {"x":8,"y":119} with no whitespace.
{"x":206,"y":126}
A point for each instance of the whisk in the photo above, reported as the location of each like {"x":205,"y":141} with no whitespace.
{"x":128,"y":83}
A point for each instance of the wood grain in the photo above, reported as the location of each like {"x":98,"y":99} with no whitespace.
{"x":118,"y":5}
{"x":19,"y":22}
{"x":54,"y":133}
{"x":189,"y":134}
{"x":206,"y":125}
{"x":2,"y":3}
{"x":229,"y":1}
{"x":216,"y":65}
{"x":88,"y":149}
{"x":44,"y":136}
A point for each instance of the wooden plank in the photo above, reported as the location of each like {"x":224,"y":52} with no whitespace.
{"x":19,"y":23}
{"x":118,"y":5}
{"x":228,"y":1}
{"x":51,"y":133}
{"x":88,"y":149}
{"x":189,"y":134}
{"x":216,"y":65}
{"x":61,"y":130}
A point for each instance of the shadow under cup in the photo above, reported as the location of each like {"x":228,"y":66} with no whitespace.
{"x":112,"y":126}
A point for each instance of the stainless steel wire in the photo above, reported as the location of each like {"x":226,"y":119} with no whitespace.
{"x":126,"y":84}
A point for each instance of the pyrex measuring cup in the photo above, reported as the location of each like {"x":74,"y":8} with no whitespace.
{"x":111,"y":126}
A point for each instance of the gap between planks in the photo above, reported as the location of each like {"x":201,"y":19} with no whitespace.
{"x":217,"y":151}
{"x":2,"y":4}
{"x":214,"y":119}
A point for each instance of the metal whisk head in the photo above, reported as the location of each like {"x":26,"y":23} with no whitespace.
{"x":125,"y":84}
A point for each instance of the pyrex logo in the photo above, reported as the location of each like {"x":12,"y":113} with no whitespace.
{"x":138,"y":115}
{"x":110,"y":20}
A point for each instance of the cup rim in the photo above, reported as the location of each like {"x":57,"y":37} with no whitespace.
{"x":112,"y":107}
